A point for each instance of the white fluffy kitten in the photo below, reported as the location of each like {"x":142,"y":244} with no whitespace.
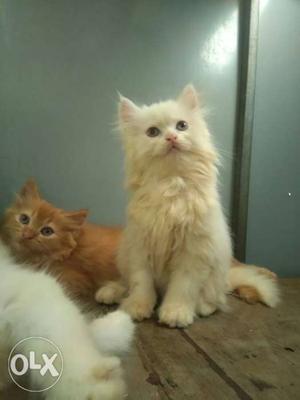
{"x":176,"y":242}
{"x":32,"y":304}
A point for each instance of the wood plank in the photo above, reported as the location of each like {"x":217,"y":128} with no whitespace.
{"x":258,"y":347}
{"x":177,"y":368}
{"x":140,"y":378}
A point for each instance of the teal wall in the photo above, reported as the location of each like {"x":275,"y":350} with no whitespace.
{"x":274,"y":206}
{"x":62,"y":63}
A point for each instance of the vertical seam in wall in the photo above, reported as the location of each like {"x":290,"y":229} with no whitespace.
{"x":248,"y":39}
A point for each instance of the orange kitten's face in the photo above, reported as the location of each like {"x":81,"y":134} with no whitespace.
{"x":36,"y":228}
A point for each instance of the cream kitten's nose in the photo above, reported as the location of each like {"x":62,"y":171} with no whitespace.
{"x":28,"y":234}
{"x":171,"y":137}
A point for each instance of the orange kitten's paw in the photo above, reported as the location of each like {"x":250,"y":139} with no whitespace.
{"x":105,"y":295}
{"x":176,"y":315}
{"x":138,"y":309}
{"x":111,"y":293}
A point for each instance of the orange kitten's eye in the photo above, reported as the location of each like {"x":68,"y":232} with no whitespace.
{"x":47,"y":231}
{"x":24,"y":219}
{"x":153,"y":131}
{"x":182,"y":125}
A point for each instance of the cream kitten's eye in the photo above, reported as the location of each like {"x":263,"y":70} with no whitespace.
{"x":24,"y":219}
{"x":153,"y":131}
{"x":182,"y":126}
{"x":47,"y":231}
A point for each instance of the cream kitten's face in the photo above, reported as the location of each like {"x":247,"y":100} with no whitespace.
{"x":166,"y":129}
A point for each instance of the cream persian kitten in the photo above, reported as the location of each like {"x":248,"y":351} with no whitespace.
{"x":33,"y":304}
{"x":177,"y":243}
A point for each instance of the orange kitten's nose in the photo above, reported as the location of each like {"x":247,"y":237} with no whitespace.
{"x":171,"y":137}
{"x":28,"y":234}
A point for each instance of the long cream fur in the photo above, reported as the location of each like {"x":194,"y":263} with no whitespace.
{"x":176,"y":243}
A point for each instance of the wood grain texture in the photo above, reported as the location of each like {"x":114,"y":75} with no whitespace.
{"x":249,"y":353}
{"x":258,"y":347}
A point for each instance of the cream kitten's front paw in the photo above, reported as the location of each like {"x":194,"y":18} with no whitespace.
{"x":107,"y":295}
{"x":176,"y":315}
{"x":137,"y":308}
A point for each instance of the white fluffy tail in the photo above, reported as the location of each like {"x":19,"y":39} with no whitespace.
{"x":254,"y":284}
{"x":113,"y":333}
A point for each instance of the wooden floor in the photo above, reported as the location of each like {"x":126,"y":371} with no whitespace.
{"x":253,"y":352}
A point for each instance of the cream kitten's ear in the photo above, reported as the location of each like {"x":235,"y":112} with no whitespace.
{"x":76,"y":218}
{"x":127,"y":109}
{"x":29,"y":190}
{"x":189,"y":97}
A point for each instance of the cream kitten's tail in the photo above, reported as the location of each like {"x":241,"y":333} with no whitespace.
{"x":113,"y":333}
{"x":254,"y":284}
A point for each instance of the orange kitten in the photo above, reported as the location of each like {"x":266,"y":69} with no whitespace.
{"x":80,"y":254}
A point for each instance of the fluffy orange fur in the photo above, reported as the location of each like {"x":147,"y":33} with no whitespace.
{"x":81,"y":255}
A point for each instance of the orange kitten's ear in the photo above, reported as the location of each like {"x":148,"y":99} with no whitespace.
{"x":29,"y":190}
{"x":127,"y":109}
{"x":76,"y":218}
{"x":189,"y":97}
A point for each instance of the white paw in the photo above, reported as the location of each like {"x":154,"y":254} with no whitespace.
{"x":113,"y":333}
{"x":138,"y":309}
{"x":116,"y":320}
{"x":176,"y":315}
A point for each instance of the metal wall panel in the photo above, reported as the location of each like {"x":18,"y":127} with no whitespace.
{"x":61,"y":65}
{"x":274,"y":207}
